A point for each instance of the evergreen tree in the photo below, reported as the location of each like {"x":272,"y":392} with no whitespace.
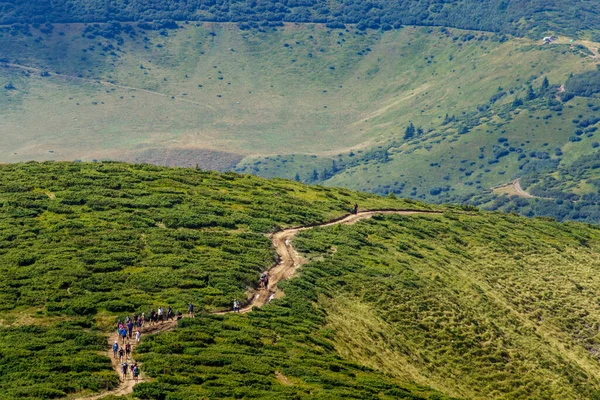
{"x":409,"y":133}
{"x":545,"y":86}
{"x":530,"y":93}
{"x":325,"y":174}
{"x":385,"y":156}
{"x":297,"y":177}
{"x":517,"y":102}
{"x":315,"y":175}
{"x":334,"y":167}
{"x":419,"y":131}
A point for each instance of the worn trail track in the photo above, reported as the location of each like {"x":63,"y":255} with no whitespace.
{"x":286,"y":267}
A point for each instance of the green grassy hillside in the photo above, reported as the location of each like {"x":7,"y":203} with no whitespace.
{"x":304,"y":102}
{"x":83,"y":243}
{"x":479,"y":306}
{"x":463,"y":304}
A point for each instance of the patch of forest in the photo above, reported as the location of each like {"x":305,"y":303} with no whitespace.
{"x":508,"y":16}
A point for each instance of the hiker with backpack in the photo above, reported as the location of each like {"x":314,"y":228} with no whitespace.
{"x":236,"y":305}
{"x":169,"y":313}
{"x":191,"y":310}
{"x":264,"y":281}
{"x":137,"y":336}
{"x":136,"y":372}
{"x":128,"y":350}
{"x":121,"y":354}
{"x":355,"y":211}
{"x":130,"y":328}
{"x":115,"y":348}
{"x":124,"y":370}
{"x":160,"y":314}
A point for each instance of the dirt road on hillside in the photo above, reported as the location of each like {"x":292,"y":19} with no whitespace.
{"x":286,"y":267}
{"x":513,"y":188}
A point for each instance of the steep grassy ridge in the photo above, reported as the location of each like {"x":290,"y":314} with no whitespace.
{"x":460,"y":304}
{"x":481,"y":306}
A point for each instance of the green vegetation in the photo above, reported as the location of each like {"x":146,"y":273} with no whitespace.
{"x":464,"y":304}
{"x":569,"y":193}
{"x":483,"y":306}
{"x":585,"y":84}
{"x":304,"y":102}
{"x":47,"y":362}
{"x":83,"y":243}
{"x":508,"y":16}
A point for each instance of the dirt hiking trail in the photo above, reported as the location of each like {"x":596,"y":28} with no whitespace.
{"x":285,"y":268}
{"x":514,"y":188}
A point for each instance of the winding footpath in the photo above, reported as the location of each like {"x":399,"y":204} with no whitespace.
{"x":286,"y":267}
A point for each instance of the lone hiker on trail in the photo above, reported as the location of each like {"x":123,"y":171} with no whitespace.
{"x":355,"y":211}
{"x":191,"y":310}
{"x":236,"y":305}
{"x":264,"y":281}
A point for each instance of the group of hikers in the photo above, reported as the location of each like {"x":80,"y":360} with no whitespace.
{"x":124,"y":354}
{"x":127,"y":333}
{"x":130,"y":331}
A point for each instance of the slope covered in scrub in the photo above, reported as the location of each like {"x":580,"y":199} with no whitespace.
{"x":458,"y":304}
{"x":83,"y":243}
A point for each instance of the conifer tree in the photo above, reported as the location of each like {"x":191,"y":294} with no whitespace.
{"x":409,"y":133}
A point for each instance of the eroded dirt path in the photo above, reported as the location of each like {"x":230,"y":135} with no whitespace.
{"x":286,"y":268}
{"x":514,"y":188}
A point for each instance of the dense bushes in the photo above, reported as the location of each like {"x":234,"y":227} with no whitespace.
{"x":585,"y":84}
{"x":393,"y":297}
{"x":78,"y":240}
{"x":51,"y":362}
{"x":491,"y":15}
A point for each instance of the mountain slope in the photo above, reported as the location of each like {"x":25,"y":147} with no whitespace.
{"x":305,"y":102}
{"x":461,"y":304}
